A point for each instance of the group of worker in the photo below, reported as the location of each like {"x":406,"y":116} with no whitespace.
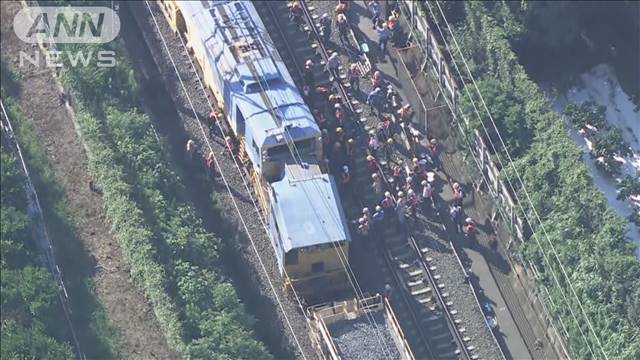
{"x":462,"y":224}
{"x":388,"y":29}
{"x":401,"y":190}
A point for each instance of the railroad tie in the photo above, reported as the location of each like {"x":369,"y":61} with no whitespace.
{"x":415,"y":273}
{"x":442,"y":335}
{"x":420,"y":291}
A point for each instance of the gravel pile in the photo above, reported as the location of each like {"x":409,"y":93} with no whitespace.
{"x":197,"y":98}
{"x":358,"y":340}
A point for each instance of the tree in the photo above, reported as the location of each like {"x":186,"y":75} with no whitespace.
{"x":509,"y":112}
{"x":28,"y":292}
{"x":606,"y":145}
{"x":19,"y":342}
{"x":12,"y":179}
{"x":586,"y":114}
{"x":628,"y":186}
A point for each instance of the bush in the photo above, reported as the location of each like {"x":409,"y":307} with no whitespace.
{"x":586,"y":114}
{"x":29,"y":302}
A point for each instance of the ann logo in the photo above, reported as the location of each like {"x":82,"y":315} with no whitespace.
{"x":66,"y":24}
{"x":41,"y":25}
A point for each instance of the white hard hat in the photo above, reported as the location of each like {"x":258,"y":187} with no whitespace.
{"x":365,"y":210}
{"x":345,"y":168}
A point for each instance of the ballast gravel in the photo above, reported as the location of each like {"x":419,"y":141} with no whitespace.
{"x":358,"y":339}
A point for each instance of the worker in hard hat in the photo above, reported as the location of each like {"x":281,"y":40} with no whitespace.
{"x":343,"y":28}
{"x":211,"y":165}
{"x":230,"y":147}
{"x":350,"y":149}
{"x":295,"y":13}
{"x":377,"y":185}
{"x":372,"y":164}
{"x":354,"y":75}
{"x":333,"y":65}
{"x":190,"y":150}
{"x":325,"y":28}
{"x":401,"y":210}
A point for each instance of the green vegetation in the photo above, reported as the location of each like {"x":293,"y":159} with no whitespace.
{"x":629,"y":186}
{"x":587,"y":114}
{"x":96,"y":336}
{"x":30,"y":307}
{"x":607,"y":141}
{"x":587,"y":235}
{"x":172,"y":257}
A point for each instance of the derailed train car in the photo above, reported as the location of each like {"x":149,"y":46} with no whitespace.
{"x":277,"y":134}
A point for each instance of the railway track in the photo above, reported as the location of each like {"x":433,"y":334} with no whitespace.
{"x":426,"y":310}
{"x":166,"y":52}
{"x":432,"y":332}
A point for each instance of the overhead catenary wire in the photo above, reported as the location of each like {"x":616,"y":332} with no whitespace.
{"x":495,"y":195}
{"x":519,"y":178}
{"x":290,"y":143}
{"x":270,"y":282}
{"x":508,"y":180}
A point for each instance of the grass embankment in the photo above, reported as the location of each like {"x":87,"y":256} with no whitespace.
{"x":171,"y":256}
{"x":587,"y":235}
{"x":33,"y":325}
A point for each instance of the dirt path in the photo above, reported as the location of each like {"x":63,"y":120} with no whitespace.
{"x":125,"y":304}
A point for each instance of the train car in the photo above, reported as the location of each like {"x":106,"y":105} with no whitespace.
{"x":278,"y":135}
